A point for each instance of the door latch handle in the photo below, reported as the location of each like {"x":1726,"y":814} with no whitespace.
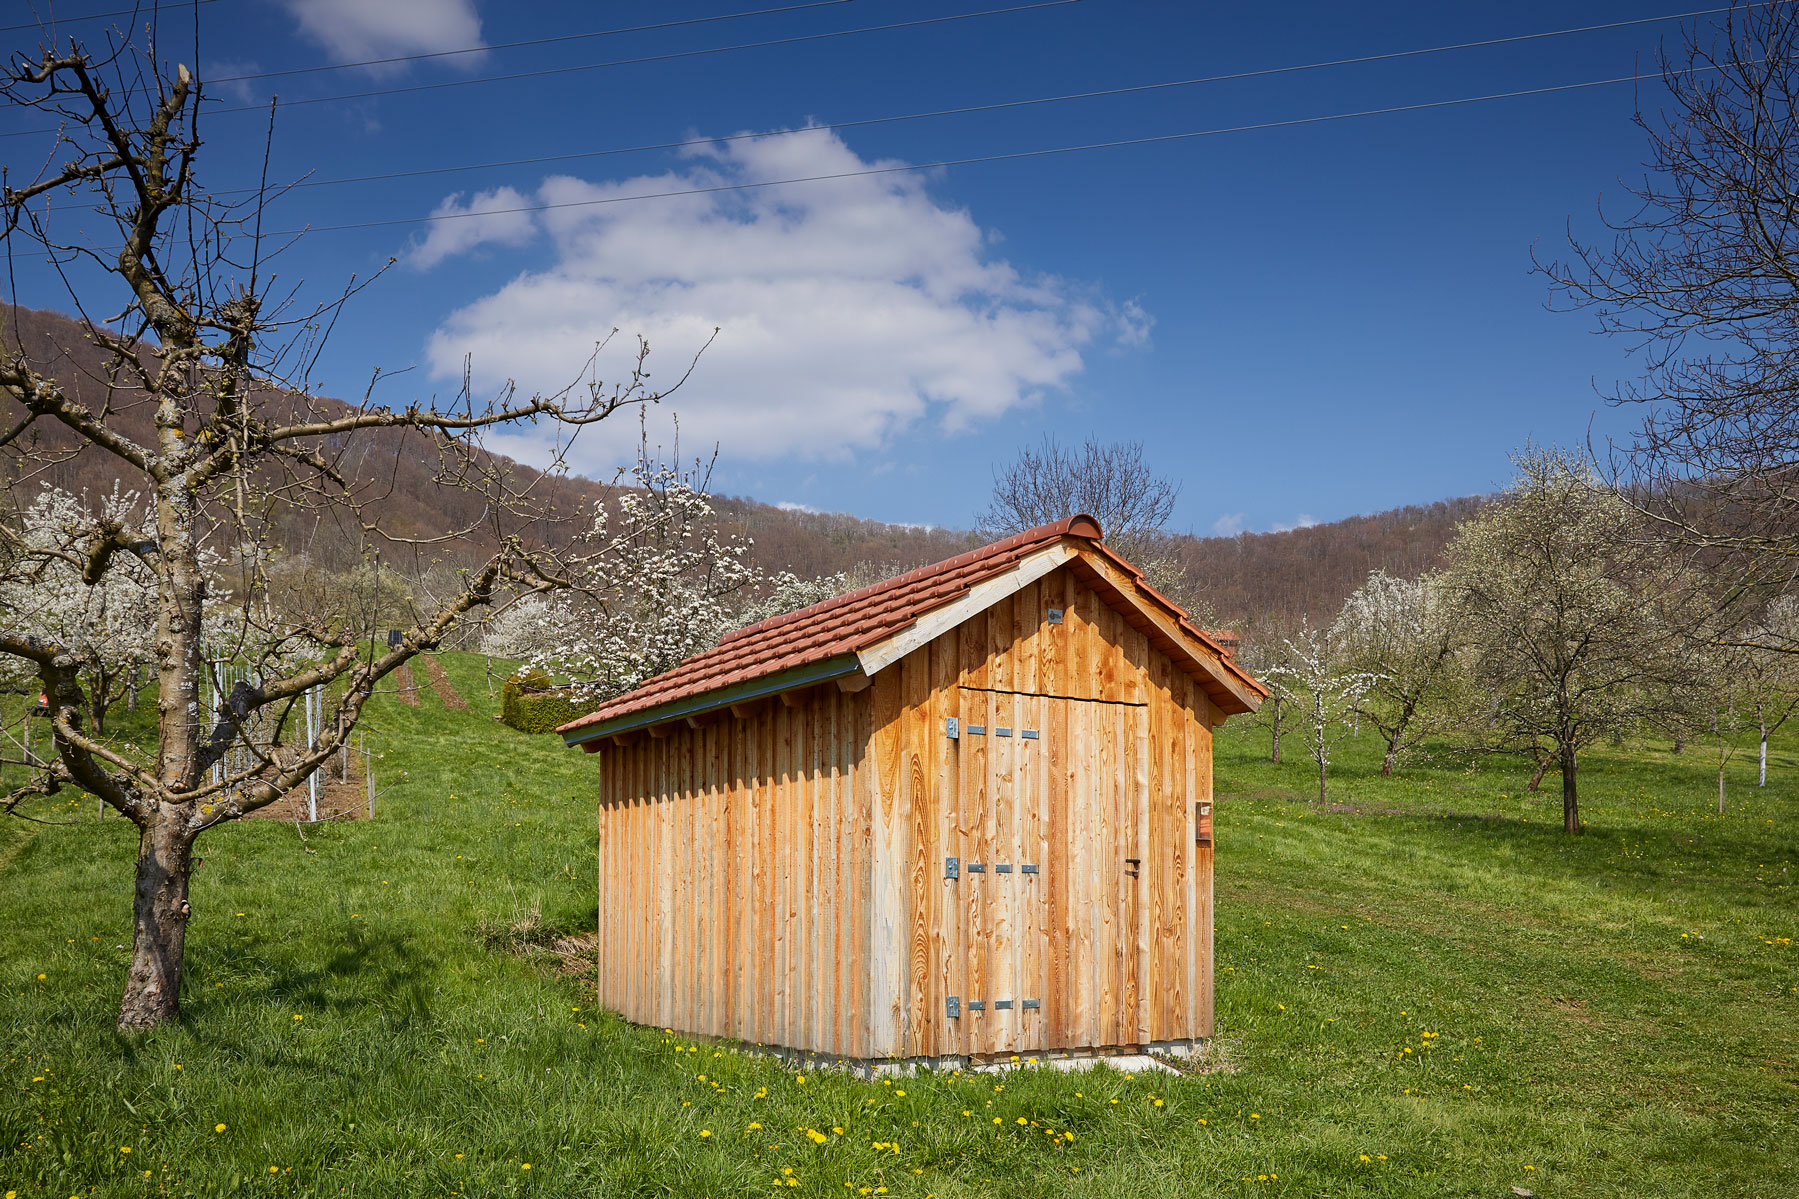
{"x":1135,"y":861}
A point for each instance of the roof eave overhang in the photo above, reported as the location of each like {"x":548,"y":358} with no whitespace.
{"x":1232,"y":690}
{"x":843,"y":666}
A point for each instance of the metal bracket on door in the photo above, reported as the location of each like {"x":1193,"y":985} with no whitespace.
{"x":977,"y":868}
{"x":1003,"y":868}
{"x":952,"y":728}
{"x":1033,"y":1003}
{"x":952,"y":868}
{"x":1002,"y":1003}
{"x":1028,"y":734}
{"x":1001,"y":732}
{"x":1028,"y":868}
{"x":953,"y":1005}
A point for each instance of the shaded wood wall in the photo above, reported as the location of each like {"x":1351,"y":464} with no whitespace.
{"x":734,"y":877}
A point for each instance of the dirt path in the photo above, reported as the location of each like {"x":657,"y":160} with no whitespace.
{"x":408,"y":690}
{"x":440,"y":683}
{"x":341,"y":797}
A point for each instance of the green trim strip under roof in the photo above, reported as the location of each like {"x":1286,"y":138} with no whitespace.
{"x":839,"y":667}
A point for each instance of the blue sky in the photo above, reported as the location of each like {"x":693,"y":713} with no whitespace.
{"x":1301,"y":322}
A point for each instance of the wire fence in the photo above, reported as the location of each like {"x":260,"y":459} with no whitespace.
{"x":257,"y":734}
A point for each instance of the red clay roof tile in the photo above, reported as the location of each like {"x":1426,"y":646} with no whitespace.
{"x":854,"y":621}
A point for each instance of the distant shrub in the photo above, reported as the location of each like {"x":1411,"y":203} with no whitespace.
{"x":531,"y":704}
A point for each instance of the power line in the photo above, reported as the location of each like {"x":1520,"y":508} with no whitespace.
{"x":1233,"y":76}
{"x":93,"y":16}
{"x":536,"y":41}
{"x":956,"y":162}
{"x":544,"y":72}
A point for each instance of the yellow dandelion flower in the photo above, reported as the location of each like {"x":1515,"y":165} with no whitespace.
{"x":705,"y":1132}
{"x":218,"y":1128}
{"x":524,"y":1165}
{"x":1366,"y":1158}
{"x":1255,"y":1115}
{"x":124,"y":1149}
{"x":755,"y":1128}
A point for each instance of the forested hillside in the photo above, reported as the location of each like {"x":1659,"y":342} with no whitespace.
{"x":1275,"y":579}
{"x":1253,"y":580}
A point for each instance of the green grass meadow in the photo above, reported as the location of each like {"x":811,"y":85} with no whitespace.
{"x":1435,"y":993}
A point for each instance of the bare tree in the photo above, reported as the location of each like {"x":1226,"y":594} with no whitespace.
{"x":1702,"y":277}
{"x":200,"y":399}
{"x":1576,"y":623}
{"x":1269,"y":655}
{"x":1109,"y":481}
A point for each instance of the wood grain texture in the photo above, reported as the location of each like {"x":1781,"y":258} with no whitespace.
{"x":778,"y":877}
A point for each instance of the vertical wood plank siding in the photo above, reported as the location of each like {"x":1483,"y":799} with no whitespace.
{"x":780,"y":878}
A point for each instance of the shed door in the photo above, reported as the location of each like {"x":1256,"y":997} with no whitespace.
{"x":1053,"y":825}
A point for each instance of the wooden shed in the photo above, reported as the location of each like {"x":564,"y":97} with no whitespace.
{"x":961,"y":813}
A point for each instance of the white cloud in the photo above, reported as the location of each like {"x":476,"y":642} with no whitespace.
{"x":795,"y":506}
{"x":354,"y":30}
{"x":1302,"y":521}
{"x":502,"y":224}
{"x":1134,"y":324}
{"x":1228,"y":525}
{"x":848,"y":310}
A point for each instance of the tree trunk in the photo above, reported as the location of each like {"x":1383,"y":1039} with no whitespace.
{"x":1275,"y":723}
{"x":1570,"y":797}
{"x":1536,"y":780}
{"x":1761,"y":721}
{"x":1321,"y":769}
{"x":1390,"y":761}
{"x":1720,"y":788}
{"x":1680,"y":743}
{"x":160,"y":912}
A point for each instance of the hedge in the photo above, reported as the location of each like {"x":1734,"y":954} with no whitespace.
{"x":530,"y":710}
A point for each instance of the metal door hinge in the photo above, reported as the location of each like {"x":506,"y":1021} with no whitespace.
{"x":1028,"y":868}
{"x":1002,"y":1003}
{"x":952,"y":868}
{"x":1028,"y":734}
{"x":952,"y":728}
{"x":954,"y":1006}
{"x":1037,"y":1003}
{"x":977,"y":730}
{"x":999,"y":732}
{"x":1003,"y":868}
{"x":977,"y":868}
{"x":977,"y":1005}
